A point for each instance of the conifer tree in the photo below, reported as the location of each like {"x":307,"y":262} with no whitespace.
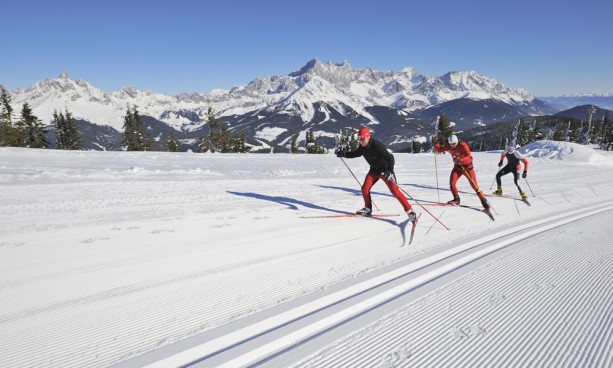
{"x":66,"y":134}
{"x":8,"y":134}
{"x":607,"y":143}
{"x":445,"y":130}
{"x":292,"y":145}
{"x":347,"y":140}
{"x":171,"y":143}
{"x":560,"y":132}
{"x":220,"y":138}
{"x":218,"y":133}
{"x":240,"y":143}
{"x":135,"y":137}
{"x":574,"y":131}
{"x":312,"y":146}
{"x":31,"y":129}
{"x":130,"y":138}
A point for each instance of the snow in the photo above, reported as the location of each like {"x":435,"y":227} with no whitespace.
{"x":161,"y":259}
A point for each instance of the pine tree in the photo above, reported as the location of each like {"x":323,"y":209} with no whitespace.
{"x":171,"y":143}
{"x":8,"y":134}
{"x":292,"y":145}
{"x":574,"y":131}
{"x":347,"y":140}
{"x":130,"y":138}
{"x":218,"y":133}
{"x":135,"y":137}
{"x":522,"y":133}
{"x":66,"y":134}
{"x":607,"y":143}
{"x":239,"y":143}
{"x":312,"y":146}
{"x":560,"y":132}
{"x":143,"y":138}
{"x":445,"y":130}
{"x":31,"y":129}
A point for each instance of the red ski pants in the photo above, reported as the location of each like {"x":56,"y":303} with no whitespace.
{"x":371,"y":179}
{"x":472,"y":180}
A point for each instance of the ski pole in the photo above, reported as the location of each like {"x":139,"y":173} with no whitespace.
{"x":438,"y":192}
{"x":493,"y":181}
{"x":356,"y":179}
{"x":425,"y":209}
{"x":434,"y":140}
{"x":526,"y":179}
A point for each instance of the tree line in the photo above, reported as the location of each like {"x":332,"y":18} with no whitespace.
{"x":29,"y":131}
{"x":528,"y":130}
{"x":495,"y":136}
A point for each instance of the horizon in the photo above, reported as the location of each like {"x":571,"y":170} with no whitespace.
{"x":189,"y":46}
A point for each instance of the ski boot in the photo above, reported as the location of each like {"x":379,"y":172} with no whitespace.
{"x":486,"y":206}
{"x":364,"y":211}
{"x":523,"y":196}
{"x":498,"y":191}
{"x":412,"y":215}
{"x":454,"y":201}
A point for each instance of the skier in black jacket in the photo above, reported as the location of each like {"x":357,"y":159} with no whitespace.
{"x":381,"y":167}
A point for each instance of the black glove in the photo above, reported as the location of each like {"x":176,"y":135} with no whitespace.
{"x":456,"y":160}
{"x":388,"y":175}
{"x":500,"y":163}
{"x":524,"y":174}
{"x":339,"y":153}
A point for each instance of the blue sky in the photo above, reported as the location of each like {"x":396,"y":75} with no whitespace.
{"x":546,"y":47}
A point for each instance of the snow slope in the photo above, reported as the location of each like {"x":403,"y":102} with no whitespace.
{"x":171,"y":259}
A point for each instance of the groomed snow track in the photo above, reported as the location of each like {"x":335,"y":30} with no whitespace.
{"x":268,"y":335}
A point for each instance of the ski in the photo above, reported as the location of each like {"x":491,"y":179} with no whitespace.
{"x":511,"y":197}
{"x":413,"y":228}
{"x":489,"y":213}
{"x":345,"y":215}
{"x":452,"y":205}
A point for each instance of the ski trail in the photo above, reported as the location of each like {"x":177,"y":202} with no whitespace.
{"x":547,"y":315}
{"x":467,"y":252}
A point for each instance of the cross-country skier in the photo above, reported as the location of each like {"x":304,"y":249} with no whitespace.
{"x":514,"y":158}
{"x":462,"y":165}
{"x":381,"y":167}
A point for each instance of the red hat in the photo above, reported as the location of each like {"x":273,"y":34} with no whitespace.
{"x":363,"y":133}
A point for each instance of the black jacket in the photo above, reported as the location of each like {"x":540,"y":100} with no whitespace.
{"x":377,"y":156}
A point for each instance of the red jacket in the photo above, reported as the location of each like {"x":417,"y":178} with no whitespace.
{"x":460,"y":151}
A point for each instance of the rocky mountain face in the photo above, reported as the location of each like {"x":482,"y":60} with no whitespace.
{"x":398,"y":106}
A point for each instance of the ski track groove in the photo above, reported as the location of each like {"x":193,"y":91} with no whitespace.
{"x":565,"y":346}
{"x":71,"y":348}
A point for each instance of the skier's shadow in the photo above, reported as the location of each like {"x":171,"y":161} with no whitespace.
{"x":291,"y":203}
{"x":356,"y":192}
{"x":295,"y":204}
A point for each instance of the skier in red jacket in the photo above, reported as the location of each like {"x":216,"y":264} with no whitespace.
{"x":462,"y":165}
{"x":514,"y":158}
{"x":381,"y":167}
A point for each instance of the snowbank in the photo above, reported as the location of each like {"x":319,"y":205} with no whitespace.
{"x":566,"y":151}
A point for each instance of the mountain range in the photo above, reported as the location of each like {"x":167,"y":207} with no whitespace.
{"x":398,"y":106}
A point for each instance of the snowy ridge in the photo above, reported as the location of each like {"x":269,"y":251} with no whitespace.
{"x":336,"y":84}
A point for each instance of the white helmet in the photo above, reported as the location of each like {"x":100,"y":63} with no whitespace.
{"x":453,"y":139}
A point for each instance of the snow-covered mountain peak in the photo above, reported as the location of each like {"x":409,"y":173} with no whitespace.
{"x":334,"y":92}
